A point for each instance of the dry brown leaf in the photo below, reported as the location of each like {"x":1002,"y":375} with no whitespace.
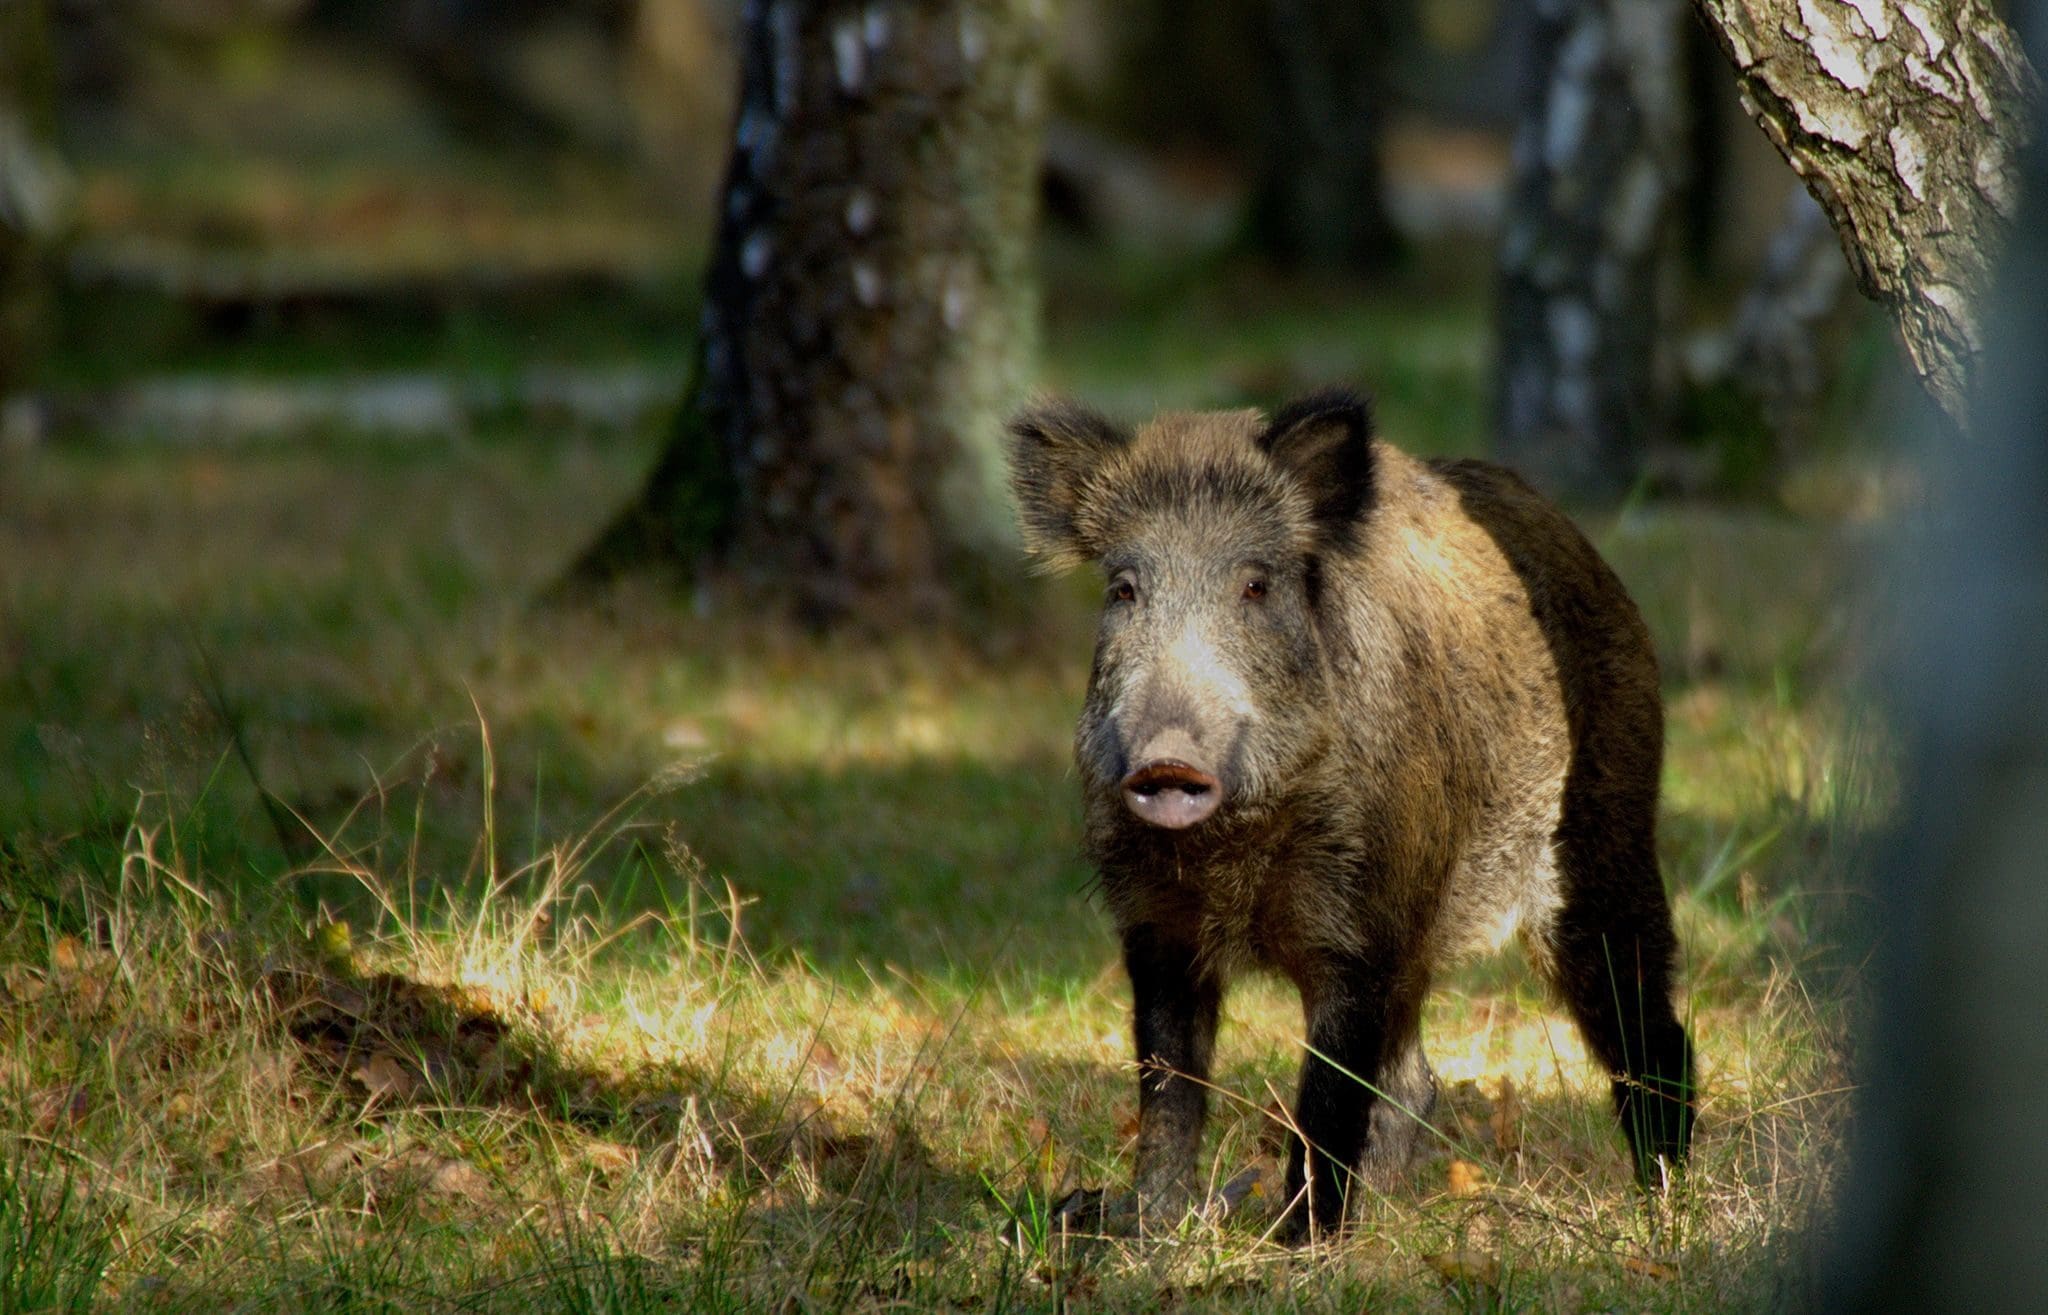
{"x":1649,"y":1268}
{"x":1506,"y":1120}
{"x":22,"y":983}
{"x":453,"y":1177}
{"x":1465,"y":1265}
{"x":62,"y":1107}
{"x":611,"y":1157}
{"x":384,"y":1077}
{"x":1467,"y":1178}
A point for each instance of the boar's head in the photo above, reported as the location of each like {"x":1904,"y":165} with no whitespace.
{"x":1212,"y":530}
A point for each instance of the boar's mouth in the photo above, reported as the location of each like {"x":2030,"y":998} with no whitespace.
{"x":1171,"y":794}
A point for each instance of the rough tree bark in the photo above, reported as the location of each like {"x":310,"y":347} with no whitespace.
{"x":1320,"y":195}
{"x":868,"y":310}
{"x":1904,"y":119}
{"x":1586,"y":252}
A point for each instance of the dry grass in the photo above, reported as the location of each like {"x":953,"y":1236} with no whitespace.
{"x":604,"y":962}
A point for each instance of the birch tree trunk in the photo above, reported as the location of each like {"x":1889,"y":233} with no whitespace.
{"x":1904,"y":118}
{"x":868,"y":311}
{"x":1585,"y":263}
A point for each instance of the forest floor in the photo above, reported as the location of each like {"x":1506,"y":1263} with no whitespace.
{"x":372,"y":938}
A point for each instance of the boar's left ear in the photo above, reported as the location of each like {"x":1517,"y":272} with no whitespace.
{"x":1324,"y":442}
{"x":1055,"y":446}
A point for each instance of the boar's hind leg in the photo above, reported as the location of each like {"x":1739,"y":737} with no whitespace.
{"x":1611,"y":953}
{"x":1362,"y":1028}
{"x":1175,"y":1003}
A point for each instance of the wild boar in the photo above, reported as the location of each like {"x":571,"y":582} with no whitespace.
{"x":1352,"y":715}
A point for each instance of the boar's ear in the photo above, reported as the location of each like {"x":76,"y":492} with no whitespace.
{"x":1324,"y":443}
{"x":1055,"y":446}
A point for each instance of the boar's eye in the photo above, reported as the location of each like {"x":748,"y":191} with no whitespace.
{"x":1254,"y":590}
{"x":1123,"y":591}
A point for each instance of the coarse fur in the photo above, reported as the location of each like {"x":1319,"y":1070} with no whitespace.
{"x":1431,"y":715}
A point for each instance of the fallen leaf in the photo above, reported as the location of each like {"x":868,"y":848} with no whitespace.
{"x":1465,"y":1265}
{"x":1261,"y":1182}
{"x":1506,"y":1121}
{"x":333,"y":942}
{"x":1467,"y":1178}
{"x":384,"y":1077}
{"x":22,"y":983}
{"x":67,"y":954}
{"x":452,"y":1177}
{"x":1649,"y":1268}
{"x":62,"y":1107}
{"x":611,"y":1157}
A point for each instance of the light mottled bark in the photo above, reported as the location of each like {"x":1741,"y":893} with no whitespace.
{"x":1585,"y":375}
{"x":1904,"y":119}
{"x":868,"y":312}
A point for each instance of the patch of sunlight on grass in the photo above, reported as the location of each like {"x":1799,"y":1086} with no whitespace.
{"x":740,"y":970}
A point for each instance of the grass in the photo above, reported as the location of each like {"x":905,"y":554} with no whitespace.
{"x":370,"y":940}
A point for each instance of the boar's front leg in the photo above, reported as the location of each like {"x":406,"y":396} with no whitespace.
{"x":1175,"y":1004}
{"x":1361,"y":1022}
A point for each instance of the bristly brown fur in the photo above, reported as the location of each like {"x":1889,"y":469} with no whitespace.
{"x":1433,"y":719}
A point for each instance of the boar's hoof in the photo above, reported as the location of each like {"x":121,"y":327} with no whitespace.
{"x":1172,"y":794}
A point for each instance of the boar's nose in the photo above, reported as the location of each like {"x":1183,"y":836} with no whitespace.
{"x":1168,"y":792}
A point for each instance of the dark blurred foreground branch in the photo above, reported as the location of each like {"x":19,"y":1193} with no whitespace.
{"x":1905,"y":122}
{"x":1946,"y":1207}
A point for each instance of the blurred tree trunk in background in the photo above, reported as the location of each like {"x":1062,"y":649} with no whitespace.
{"x":869,"y":312}
{"x":1587,"y":245}
{"x":1904,"y":120}
{"x":1786,"y":337}
{"x":30,"y":186}
{"x":1319,"y":199}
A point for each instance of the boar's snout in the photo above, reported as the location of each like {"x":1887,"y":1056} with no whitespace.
{"x":1170,"y":793}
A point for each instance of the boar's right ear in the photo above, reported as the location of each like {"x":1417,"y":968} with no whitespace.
{"x":1055,"y":445}
{"x":1324,"y":443}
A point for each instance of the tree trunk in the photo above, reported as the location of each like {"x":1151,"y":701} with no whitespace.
{"x":1320,"y":199}
{"x":1904,"y":120}
{"x":1786,"y":335}
{"x":868,"y":311}
{"x":1586,"y":252}
{"x":31,"y":188}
